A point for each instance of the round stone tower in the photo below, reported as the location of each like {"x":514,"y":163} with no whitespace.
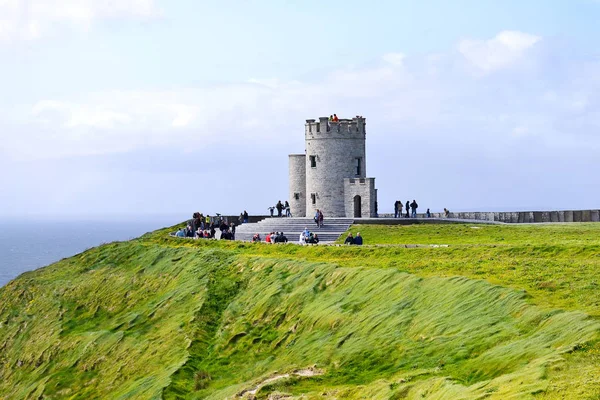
{"x":334,"y":151}
{"x":297,"y":179}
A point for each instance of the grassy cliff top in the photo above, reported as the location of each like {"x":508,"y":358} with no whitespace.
{"x":421,"y":311}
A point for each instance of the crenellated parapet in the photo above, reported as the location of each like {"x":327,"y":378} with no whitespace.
{"x":343,"y":129}
{"x":331,"y":174}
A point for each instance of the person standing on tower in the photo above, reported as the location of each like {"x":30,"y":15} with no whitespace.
{"x":407,"y":207}
{"x":396,"y":204}
{"x":335,"y":118}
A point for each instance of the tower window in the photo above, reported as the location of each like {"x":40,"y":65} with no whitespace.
{"x":358,"y":165}
{"x":318,"y":127}
{"x":297,"y":196}
{"x":313,"y":161}
{"x":313,"y":198}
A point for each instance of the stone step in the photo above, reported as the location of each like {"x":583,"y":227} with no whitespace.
{"x":292,"y":227}
{"x":323,"y":238}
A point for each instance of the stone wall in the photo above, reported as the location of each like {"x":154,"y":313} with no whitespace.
{"x":365,"y":188}
{"x":520,"y":217}
{"x":297,"y":184}
{"x":334,"y":148}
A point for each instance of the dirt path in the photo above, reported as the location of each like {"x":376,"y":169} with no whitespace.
{"x":306,"y":372}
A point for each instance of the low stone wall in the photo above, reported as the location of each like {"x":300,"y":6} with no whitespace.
{"x":520,"y":217}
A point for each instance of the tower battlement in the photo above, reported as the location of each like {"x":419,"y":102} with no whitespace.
{"x":345,"y":128}
{"x":331,"y":174}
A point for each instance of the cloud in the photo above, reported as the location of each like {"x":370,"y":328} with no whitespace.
{"x":396,"y":59}
{"x":430,"y":97}
{"x":501,"y":136}
{"x":502,"y":51}
{"x":32,"y":19}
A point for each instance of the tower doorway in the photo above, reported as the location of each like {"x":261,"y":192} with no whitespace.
{"x":357,"y":210}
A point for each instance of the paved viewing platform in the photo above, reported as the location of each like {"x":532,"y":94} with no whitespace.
{"x":333,"y":227}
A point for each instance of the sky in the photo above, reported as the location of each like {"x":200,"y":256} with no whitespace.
{"x":114,"y":108}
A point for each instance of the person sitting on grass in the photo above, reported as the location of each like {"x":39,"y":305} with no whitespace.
{"x":256,"y":238}
{"x":358,"y":239}
{"x":349,"y":239}
{"x":180,"y":233}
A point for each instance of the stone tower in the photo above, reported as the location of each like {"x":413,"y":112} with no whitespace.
{"x":331,"y":176}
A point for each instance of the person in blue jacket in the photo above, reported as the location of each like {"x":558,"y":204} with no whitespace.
{"x":358,"y":239}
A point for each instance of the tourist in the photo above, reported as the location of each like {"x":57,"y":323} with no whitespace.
{"x":446,"y":213}
{"x":271,"y":209}
{"x":407,"y":207}
{"x":199,"y":234}
{"x":320,"y":224}
{"x":268,"y":238}
{"x":302,"y":238}
{"x":349,"y":239}
{"x":335,"y":118}
{"x":256,"y":238}
{"x":241,"y":218}
{"x":223,"y":226}
{"x":358,"y":239}
{"x":413,"y":207}
{"x":331,"y":118}
{"x":428,"y":213}
{"x":313,"y":239}
{"x":279,"y":207}
{"x":288,"y":212}
{"x":189,"y":232}
{"x":180,"y":232}
{"x":232,"y":228}
{"x":399,"y":209}
{"x":226,"y":235}
{"x":245,"y":217}
{"x":281,"y":238}
{"x":396,"y":206}
{"x":316,"y":218}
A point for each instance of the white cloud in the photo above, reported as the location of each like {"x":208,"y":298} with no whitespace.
{"x":427,"y":97}
{"x":396,"y":59}
{"x":503,"y":51}
{"x":32,"y":19}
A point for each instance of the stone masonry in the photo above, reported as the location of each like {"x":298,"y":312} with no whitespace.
{"x":331,"y":175}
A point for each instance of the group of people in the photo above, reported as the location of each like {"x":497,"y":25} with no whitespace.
{"x":409,"y":214}
{"x":280,"y":207}
{"x":205,"y":227}
{"x":243,"y":218}
{"x":358,"y":240}
{"x":273,"y":237}
{"x":319,"y":218}
{"x":308,"y":237}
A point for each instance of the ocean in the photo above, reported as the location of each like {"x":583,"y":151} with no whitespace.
{"x":26,"y":245}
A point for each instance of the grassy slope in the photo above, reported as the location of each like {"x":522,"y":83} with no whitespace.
{"x":192,"y":319}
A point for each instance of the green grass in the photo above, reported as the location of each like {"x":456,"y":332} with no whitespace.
{"x":501,"y":312}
